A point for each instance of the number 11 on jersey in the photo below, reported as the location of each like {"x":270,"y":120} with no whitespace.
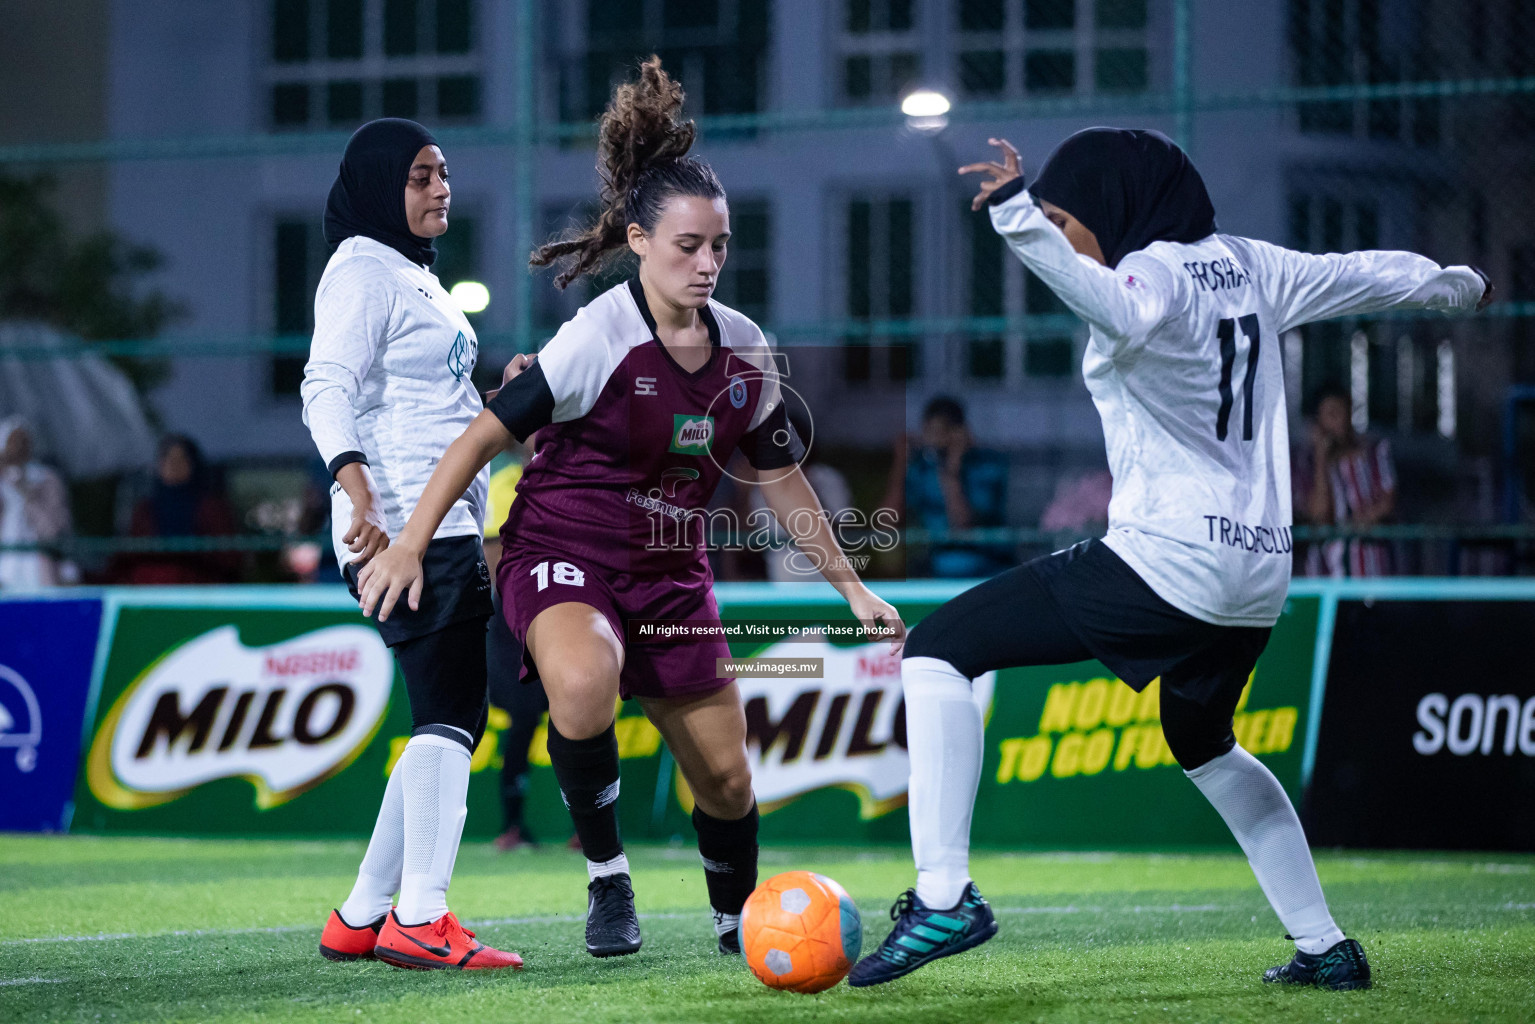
{"x":1226,"y":331}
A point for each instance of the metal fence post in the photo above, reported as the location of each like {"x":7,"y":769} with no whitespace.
{"x":1183,"y":76}
{"x":525,"y":156}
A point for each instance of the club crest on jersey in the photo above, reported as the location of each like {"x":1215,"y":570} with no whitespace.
{"x":737,"y":392}
{"x":692,"y":435}
{"x":462,"y":356}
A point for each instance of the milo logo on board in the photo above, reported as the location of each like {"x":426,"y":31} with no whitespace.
{"x":845,"y":730}
{"x":692,"y":435}
{"x":285,"y":717}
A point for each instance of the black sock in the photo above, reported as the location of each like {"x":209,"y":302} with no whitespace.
{"x":729,"y":852}
{"x":587,"y":771}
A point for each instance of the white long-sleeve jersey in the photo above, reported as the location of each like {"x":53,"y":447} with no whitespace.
{"x":389,"y":376}
{"x":1183,"y":363}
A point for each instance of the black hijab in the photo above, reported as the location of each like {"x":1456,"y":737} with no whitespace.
{"x":368,"y":197}
{"x":1128,"y":186}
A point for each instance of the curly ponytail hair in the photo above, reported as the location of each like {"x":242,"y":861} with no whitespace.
{"x":642,"y":158}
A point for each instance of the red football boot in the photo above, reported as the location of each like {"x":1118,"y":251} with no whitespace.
{"x":443,"y":944}
{"x":340,"y":941}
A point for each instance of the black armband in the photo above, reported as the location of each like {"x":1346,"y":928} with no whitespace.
{"x":345,"y":459}
{"x":1006,"y":192}
{"x":525,"y":403}
{"x":774,"y":443}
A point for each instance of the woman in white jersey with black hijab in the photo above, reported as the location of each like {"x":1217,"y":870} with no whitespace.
{"x":1184,"y":365}
{"x":387,"y":387}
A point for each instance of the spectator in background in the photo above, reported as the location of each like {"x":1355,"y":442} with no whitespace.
{"x":308,"y":560}
{"x":182,"y":502}
{"x":1345,"y":479}
{"x":34,"y":509}
{"x":1080,"y":505}
{"x":942,"y":481}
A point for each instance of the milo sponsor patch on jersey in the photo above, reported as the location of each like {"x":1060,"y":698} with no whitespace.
{"x":692,"y":435}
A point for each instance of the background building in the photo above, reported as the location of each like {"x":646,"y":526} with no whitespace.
{"x":1323,"y":124}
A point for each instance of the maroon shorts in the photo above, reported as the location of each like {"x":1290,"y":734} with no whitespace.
{"x":530,"y":580}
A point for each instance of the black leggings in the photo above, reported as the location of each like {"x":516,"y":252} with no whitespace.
{"x":1013,"y":621}
{"x":445,"y":679}
{"x":1009,"y":621}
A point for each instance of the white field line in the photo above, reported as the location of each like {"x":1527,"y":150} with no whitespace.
{"x":288,"y":928}
{"x":492,"y":922}
{"x":31,"y":981}
{"x":869,"y":913}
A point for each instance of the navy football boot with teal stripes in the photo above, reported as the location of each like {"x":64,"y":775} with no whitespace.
{"x":1341,"y":968}
{"x":922,"y":935}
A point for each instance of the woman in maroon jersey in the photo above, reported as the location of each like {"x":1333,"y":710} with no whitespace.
{"x":641,"y":399}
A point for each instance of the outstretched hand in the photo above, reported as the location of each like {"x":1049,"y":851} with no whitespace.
{"x":1000,"y":174}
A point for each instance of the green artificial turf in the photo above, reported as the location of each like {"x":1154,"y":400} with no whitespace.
{"x":155,"y":929}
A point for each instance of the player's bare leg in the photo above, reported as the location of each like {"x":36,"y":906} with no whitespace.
{"x":579,"y":659}
{"x":707,"y":736}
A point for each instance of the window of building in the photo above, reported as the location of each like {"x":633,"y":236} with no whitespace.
{"x":881,"y":280}
{"x":998,"y":285}
{"x":1345,"y":43}
{"x":1323,"y":222}
{"x":745,"y":279}
{"x":1393,"y":369}
{"x":300,"y":253}
{"x":1015,"y":48}
{"x":299,"y":256}
{"x":1045,"y":354}
{"x":986,"y":354}
{"x":1521,"y":289}
{"x":337,"y":63}
{"x":717,"y":49}
{"x":879,"y":51}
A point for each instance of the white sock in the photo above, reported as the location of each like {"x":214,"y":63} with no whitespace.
{"x":379,"y":877}
{"x":943,"y":737}
{"x":1256,"y":809}
{"x":596,"y":869}
{"x":726,"y":922}
{"x":436,"y":784}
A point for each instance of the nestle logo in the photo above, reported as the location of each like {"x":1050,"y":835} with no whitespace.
{"x":879,"y":667}
{"x":311,"y":663}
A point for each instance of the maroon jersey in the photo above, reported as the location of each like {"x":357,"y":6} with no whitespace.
{"x":632,"y":446}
